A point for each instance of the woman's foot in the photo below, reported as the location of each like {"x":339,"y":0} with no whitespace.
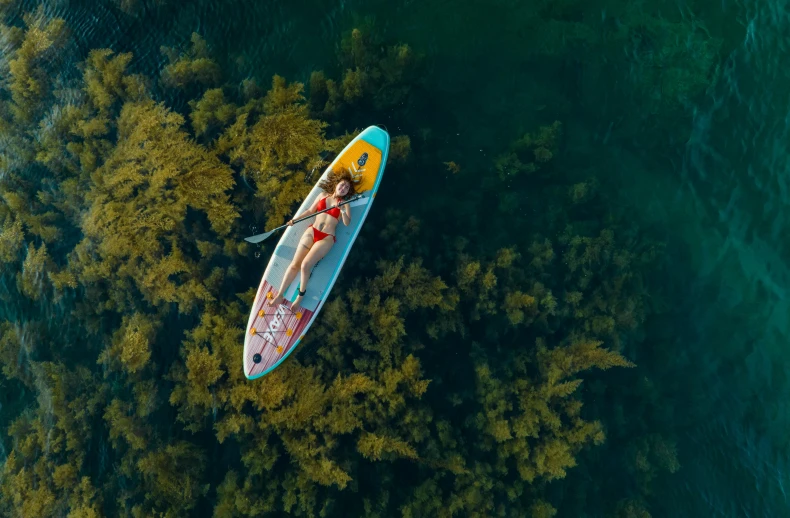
{"x":273,"y":298}
{"x":297,"y":301}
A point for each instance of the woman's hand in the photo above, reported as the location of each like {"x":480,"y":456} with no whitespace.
{"x":290,"y":223}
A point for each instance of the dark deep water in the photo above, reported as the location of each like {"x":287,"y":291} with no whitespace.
{"x":707,"y":173}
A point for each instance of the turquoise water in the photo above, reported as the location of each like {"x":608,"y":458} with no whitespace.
{"x":685,"y":123}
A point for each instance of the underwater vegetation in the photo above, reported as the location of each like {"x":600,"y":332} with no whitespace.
{"x":445,"y":377}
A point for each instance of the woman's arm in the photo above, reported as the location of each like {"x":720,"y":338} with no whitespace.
{"x":345,"y":213}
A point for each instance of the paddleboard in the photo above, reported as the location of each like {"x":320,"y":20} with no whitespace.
{"x":274,"y":332}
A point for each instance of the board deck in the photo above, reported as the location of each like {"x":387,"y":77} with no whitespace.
{"x":274,"y":332}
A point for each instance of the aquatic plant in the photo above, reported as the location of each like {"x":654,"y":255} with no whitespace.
{"x":30,"y":81}
{"x":133,"y":239}
{"x":304,"y":411}
{"x":446,"y":369}
{"x":529,"y":153}
{"x":376,"y":76}
{"x":325,"y":96}
{"x":400,"y":149}
{"x":30,"y":281}
{"x":453,"y":167}
{"x":11,"y":240}
{"x":386,"y":74}
{"x":275,"y":143}
{"x":211,"y":112}
{"x":45,"y":471}
{"x":192,"y":65}
{"x":631,"y":508}
{"x":649,"y":456}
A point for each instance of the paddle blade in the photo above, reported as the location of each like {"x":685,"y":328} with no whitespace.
{"x":260,"y":237}
{"x":358,"y":201}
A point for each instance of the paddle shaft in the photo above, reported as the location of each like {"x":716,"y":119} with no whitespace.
{"x":355,"y":198}
{"x":261,"y":237}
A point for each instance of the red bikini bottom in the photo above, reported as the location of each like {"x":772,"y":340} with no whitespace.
{"x":318,"y":235}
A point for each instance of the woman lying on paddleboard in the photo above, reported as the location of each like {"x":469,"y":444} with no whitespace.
{"x":319,"y":237}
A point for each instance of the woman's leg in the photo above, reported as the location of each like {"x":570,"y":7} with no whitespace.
{"x":305,"y":243}
{"x":316,"y":253}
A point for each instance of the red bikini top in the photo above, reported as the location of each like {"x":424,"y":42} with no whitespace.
{"x":334,"y":211}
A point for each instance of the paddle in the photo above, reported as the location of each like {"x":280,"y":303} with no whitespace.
{"x":261,"y":237}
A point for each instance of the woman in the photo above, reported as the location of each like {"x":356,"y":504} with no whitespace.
{"x":319,"y":237}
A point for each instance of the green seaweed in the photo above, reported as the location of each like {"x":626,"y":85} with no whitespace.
{"x":447,"y":374}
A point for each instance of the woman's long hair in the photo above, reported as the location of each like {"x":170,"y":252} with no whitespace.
{"x":333,"y":178}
